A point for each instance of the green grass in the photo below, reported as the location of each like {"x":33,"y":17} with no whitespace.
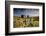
{"x":25,"y":22}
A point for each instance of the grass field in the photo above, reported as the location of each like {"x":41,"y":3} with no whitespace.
{"x":19,"y":22}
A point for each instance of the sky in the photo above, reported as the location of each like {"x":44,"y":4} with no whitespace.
{"x":22,"y":11}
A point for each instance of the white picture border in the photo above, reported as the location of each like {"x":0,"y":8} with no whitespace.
{"x":29,"y":28}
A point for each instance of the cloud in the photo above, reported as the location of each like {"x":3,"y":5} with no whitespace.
{"x":30,"y":12}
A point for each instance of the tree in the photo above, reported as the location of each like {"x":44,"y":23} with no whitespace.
{"x":22,"y":16}
{"x":27,"y":16}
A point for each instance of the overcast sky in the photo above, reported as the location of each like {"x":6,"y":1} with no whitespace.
{"x":30,"y":12}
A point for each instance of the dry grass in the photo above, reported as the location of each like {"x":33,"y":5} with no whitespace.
{"x":25,"y":22}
